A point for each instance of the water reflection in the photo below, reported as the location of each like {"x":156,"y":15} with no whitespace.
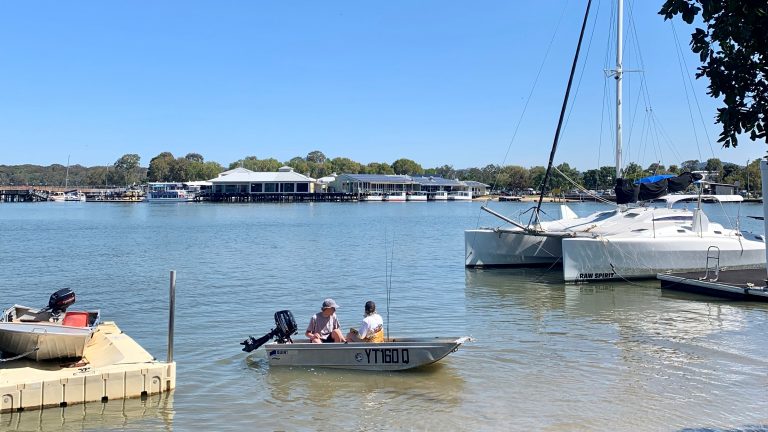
{"x":153,"y":413}
{"x":642,"y":358}
{"x":367,"y":395}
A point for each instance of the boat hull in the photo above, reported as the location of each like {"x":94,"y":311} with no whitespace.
{"x":393,"y":355}
{"x":52,"y":340}
{"x":487,"y":247}
{"x":605,"y":258}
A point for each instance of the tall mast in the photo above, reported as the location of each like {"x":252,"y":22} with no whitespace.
{"x":547,"y":174}
{"x":619,"y":72}
{"x":66,"y":176}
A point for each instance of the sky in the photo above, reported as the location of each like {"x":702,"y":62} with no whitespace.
{"x":443,"y":82}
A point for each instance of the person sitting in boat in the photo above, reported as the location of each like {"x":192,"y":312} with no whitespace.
{"x":324,"y":327}
{"x":372,"y":327}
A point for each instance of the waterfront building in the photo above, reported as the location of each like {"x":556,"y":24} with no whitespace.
{"x":367,"y":183}
{"x":477,"y":188}
{"x":437,"y":184}
{"x":244,"y":181}
{"x":325,"y":184}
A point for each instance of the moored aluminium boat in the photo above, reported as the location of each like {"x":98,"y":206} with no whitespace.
{"x":392,"y":355}
{"x":48,"y":333}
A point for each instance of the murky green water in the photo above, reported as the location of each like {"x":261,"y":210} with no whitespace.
{"x":620,"y":356}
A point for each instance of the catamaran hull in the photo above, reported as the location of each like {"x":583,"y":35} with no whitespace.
{"x":397,"y":354}
{"x":52,"y":341}
{"x":605,"y":258}
{"x":486,"y":247}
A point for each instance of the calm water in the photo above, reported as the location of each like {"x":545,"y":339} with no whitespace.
{"x":621,"y":356}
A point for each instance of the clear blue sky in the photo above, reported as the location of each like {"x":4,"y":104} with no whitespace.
{"x":439,"y":82}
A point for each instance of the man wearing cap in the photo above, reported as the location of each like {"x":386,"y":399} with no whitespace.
{"x":324,"y":327}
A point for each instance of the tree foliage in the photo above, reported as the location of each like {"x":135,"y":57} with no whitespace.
{"x":407,"y":166}
{"x":733,"y":50}
{"x":127,"y":166}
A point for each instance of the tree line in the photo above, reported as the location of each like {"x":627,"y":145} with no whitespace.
{"x":166,"y":167}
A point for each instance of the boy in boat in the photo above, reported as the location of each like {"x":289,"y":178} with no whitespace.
{"x":324,"y":327}
{"x":371,"y":329}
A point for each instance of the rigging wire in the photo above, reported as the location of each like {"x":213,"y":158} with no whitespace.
{"x":530,"y":94}
{"x":562,"y":113}
{"x":681,"y":58}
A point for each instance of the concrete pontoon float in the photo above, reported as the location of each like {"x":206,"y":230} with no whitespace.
{"x":112,"y":366}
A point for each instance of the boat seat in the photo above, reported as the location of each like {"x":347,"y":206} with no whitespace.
{"x":75,"y":319}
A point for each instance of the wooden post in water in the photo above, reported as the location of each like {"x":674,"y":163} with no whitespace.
{"x":171,"y":315}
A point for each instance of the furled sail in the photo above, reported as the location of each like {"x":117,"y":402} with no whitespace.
{"x":648,"y":188}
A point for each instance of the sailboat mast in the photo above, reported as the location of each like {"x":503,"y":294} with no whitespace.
{"x":535,"y":216}
{"x":66,"y":176}
{"x":619,"y":73}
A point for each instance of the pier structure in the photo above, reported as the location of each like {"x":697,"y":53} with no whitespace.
{"x":117,"y":368}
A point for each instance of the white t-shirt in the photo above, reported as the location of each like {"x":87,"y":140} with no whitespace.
{"x":371,"y":324}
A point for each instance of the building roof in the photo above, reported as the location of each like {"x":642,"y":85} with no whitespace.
{"x":242,"y":175}
{"x":437,"y":181}
{"x":472,"y":183}
{"x":378,"y":178}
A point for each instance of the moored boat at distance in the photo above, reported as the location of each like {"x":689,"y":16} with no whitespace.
{"x":438,"y":196}
{"x":460,"y":196}
{"x":68,"y":196}
{"x":48,"y":333}
{"x":168,"y":192}
{"x":372,"y":196}
{"x":395,"y":197}
{"x":416,"y":196}
{"x":391,"y":355}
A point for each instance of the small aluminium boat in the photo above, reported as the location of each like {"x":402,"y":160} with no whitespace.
{"x":48,"y":333}
{"x":391,"y":355}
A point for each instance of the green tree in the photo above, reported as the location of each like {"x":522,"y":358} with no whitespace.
{"x":633,"y":171}
{"x":690,"y":165}
{"x":536,"y":175}
{"x":407,"y":166}
{"x":194,"y":157}
{"x":516,"y":178}
{"x":379,"y":168}
{"x":160,"y":167}
{"x":317,"y":157}
{"x":674,"y":169}
{"x":733,"y":50}
{"x":299,"y":164}
{"x":342,"y":165}
{"x":127,"y":165}
{"x":714,"y":166}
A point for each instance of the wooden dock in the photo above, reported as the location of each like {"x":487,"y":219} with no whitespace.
{"x":748,"y":284}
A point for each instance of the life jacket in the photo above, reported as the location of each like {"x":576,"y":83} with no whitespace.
{"x":377,"y":336}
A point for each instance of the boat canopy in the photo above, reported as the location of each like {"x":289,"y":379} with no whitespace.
{"x":646,"y":188}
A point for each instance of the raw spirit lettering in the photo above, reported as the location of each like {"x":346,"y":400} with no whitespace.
{"x":387,"y":355}
{"x":606,"y":275}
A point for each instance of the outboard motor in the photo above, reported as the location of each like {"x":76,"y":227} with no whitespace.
{"x":61,"y":300}
{"x":285,"y":327}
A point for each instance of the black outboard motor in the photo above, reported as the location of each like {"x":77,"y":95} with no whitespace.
{"x":61,"y":300}
{"x":285,"y":326}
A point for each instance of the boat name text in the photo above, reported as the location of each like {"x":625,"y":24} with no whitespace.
{"x":386,"y":355}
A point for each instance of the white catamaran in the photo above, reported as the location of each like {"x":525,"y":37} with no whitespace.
{"x":627,"y":242}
